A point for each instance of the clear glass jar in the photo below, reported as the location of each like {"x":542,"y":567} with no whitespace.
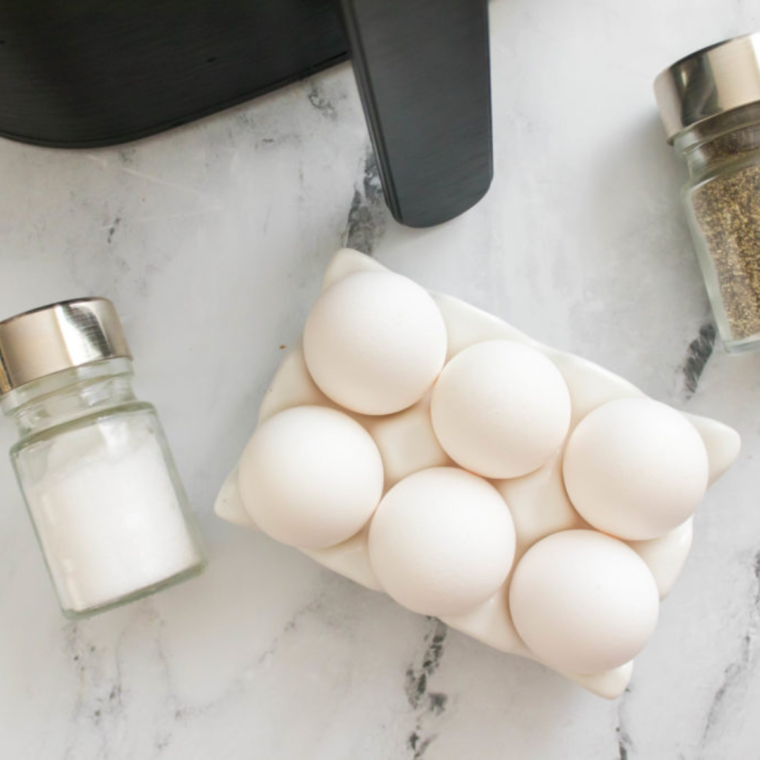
{"x":94,"y":466}
{"x":722,"y":200}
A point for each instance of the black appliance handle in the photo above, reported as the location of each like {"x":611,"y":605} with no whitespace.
{"x":422,"y":67}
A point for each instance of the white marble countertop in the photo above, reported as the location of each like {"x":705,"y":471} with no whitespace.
{"x":211,"y":240}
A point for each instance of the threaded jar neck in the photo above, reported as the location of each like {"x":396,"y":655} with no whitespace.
{"x":69,"y":395}
{"x":719,"y":144}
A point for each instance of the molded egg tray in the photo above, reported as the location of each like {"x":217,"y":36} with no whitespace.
{"x":576,"y":585}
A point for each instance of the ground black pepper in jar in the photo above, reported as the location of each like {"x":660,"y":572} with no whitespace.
{"x":710,"y":106}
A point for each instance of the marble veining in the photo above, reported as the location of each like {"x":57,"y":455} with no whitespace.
{"x":224,"y":228}
{"x":427,"y":704}
{"x":739,"y":673}
{"x":698,"y":354}
{"x":367,"y":217}
{"x":625,"y":744}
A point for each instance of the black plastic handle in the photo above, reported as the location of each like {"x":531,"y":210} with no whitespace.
{"x":422,"y":67}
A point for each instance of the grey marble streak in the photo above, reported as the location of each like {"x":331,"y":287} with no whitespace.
{"x":698,"y":354}
{"x":425,"y":702}
{"x":212,"y":240}
{"x":367,"y":217}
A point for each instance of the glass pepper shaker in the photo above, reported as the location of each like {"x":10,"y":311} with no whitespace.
{"x":97,"y":475}
{"x":710,"y":106}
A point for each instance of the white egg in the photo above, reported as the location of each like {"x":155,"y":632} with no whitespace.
{"x":311,"y":477}
{"x":583,"y":602}
{"x":441,"y":541}
{"x":635,"y":468}
{"x":500,"y":409}
{"x":375,"y":342}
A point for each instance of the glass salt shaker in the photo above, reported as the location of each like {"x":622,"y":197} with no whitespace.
{"x":710,"y":106}
{"x":93,"y":463}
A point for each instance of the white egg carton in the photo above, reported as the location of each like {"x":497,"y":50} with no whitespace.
{"x":538,"y":501}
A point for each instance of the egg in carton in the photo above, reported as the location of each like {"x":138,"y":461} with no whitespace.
{"x":525,"y":496}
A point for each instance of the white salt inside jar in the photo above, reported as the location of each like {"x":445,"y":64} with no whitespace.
{"x":107,"y":512}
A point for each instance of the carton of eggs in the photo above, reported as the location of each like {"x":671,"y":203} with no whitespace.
{"x":526,"y":497}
